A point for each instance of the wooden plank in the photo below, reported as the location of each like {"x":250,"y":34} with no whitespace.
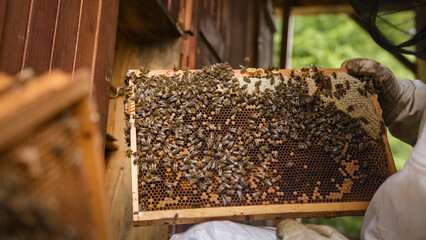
{"x":3,"y":5}
{"x":325,"y":9}
{"x":239,"y":49}
{"x":14,"y":35}
{"x":66,"y":35}
{"x":183,"y":216}
{"x":188,"y":26}
{"x":205,"y":55}
{"x":104,"y":59}
{"x":388,"y":151}
{"x":40,"y":35}
{"x":257,"y":5}
{"x":192,"y":52}
{"x":130,"y":110}
{"x":265,"y":46}
{"x":129,"y":54}
{"x":213,"y":36}
{"x":83,"y":56}
{"x":38,"y":100}
{"x":285,"y":72}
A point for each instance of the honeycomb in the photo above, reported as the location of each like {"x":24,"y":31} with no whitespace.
{"x":216,"y":137}
{"x":45,"y":182}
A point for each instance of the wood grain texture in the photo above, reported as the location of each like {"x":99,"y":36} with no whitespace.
{"x":14,"y":35}
{"x":388,"y":151}
{"x":40,"y":35}
{"x":213,"y":36}
{"x":86,"y":37}
{"x":238,"y":50}
{"x":104,"y":59}
{"x":130,"y":54}
{"x":66,"y":35}
{"x":3,"y":5}
{"x":185,"y":216}
{"x":61,"y":34}
{"x":266,"y":37}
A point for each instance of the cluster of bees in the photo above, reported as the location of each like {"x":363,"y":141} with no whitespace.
{"x":182,"y":131}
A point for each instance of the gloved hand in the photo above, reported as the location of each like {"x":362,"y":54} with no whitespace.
{"x":402,"y":101}
{"x":388,"y":86}
{"x":290,"y":229}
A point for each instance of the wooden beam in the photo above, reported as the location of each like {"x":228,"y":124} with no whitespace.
{"x":327,"y":9}
{"x":249,"y":213}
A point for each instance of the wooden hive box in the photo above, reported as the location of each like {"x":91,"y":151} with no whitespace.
{"x":331,"y":166}
{"x":50,"y":158}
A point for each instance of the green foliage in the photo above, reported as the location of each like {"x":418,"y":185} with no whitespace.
{"x":327,"y":41}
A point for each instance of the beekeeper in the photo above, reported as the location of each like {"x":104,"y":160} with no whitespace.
{"x":398,"y":208}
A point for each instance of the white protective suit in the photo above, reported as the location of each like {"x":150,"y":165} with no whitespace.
{"x":398,"y":209}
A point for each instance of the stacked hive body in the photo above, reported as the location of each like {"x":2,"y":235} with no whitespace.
{"x":49,"y":161}
{"x":218,"y":143}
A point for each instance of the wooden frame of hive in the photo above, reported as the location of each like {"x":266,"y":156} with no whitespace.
{"x":27,"y":106}
{"x":244,"y":213}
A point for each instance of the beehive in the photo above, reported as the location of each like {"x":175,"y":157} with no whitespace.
{"x":217,"y":143}
{"x":50,"y":172}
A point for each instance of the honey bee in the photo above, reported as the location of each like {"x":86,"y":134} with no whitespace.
{"x":289,"y":164}
{"x":256,"y":195}
{"x":226,"y":200}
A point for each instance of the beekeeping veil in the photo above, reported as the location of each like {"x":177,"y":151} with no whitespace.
{"x":397,"y":26}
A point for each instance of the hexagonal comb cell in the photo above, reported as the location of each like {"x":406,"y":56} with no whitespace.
{"x":218,"y":137}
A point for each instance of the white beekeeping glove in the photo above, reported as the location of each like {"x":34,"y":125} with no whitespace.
{"x":402,"y":101}
{"x":290,"y":229}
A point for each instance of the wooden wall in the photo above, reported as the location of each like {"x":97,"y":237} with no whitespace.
{"x":61,"y":34}
{"x":147,"y":36}
{"x":237,"y":31}
{"x":163,"y":54}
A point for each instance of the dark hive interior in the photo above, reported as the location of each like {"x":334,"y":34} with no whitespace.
{"x":207,"y":138}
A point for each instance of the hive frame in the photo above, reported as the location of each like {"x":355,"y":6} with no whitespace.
{"x":40,"y":99}
{"x":241,"y":213}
